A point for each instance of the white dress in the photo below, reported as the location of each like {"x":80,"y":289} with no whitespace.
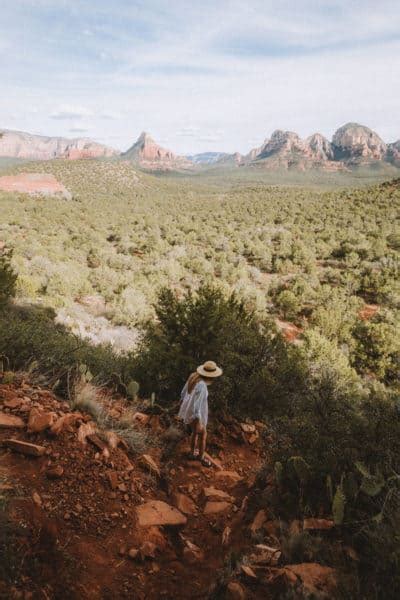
{"x":194,"y":405}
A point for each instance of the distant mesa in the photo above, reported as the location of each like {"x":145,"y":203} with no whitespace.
{"x":34,"y":184}
{"x":149,"y":155}
{"x":18,"y":144}
{"x":352,"y":146}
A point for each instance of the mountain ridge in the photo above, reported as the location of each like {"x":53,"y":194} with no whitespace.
{"x":352,"y":145}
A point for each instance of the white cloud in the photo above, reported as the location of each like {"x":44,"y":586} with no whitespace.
{"x":68,"y":111}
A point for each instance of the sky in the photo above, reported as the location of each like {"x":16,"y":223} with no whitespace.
{"x":217,"y":75}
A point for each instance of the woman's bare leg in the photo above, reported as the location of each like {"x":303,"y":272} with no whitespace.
{"x":203,"y":441}
{"x":195,"y":437}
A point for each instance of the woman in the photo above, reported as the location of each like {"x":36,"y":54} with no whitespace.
{"x":194,"y":408}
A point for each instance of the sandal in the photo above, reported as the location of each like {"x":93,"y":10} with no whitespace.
{"x":193,"y":456}
{"x":205,"y":462}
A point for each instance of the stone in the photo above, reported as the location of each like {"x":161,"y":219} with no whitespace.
{"x":37,"y":499}
{"x":248,"y":571}
{"x":146,"y":461}
{"x":25,"y":447}
{"x":247,"y":428}
{"x":226,"y":536}
{"x":212,"y":508}
{"x":148,"y":550}
{"x":212,"y":492}
{"x":86,"y":429}
{"x":141,"y":418}
{"x":183,"y":503}
{"x":13,"y":403}
{"x":317,"y":524}
{"x":236,"y":591}
{"x":258,"y":521}
{"x":40,"y":421}
{"x":64,"y":422}
{"x":133,"y":553}
{"x":157,"y":512}
{"x":192,"y":554}
{"x":113,"y":479}
{"x":309,"y":580}
{"x":11,"y":421}
{"x":232,"y":477}
{"x":55,"y":472}
{"x":265,"y":555}
{"x":96,"y":441}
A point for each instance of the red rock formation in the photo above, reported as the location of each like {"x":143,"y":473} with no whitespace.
{"x":34,"y":184}
{"x":18,"y":144}
{"x":149,"y":155}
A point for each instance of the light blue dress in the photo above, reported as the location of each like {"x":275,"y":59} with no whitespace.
{"x":195,"y":404}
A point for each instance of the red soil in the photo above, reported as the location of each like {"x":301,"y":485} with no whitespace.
{"x":33,"y":183}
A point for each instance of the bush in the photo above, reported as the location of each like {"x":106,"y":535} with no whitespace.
{"x":212,"y":326}
{"x":29,"y":336}
{"x":8,"y":279}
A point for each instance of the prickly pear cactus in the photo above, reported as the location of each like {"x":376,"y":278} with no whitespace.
{"x":301,"y":468}
{"x":338,"y":505}
{"x":132,"y":389}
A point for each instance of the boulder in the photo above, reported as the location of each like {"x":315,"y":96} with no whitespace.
{"x":8,"y":421}
{"x":25,"y":447}
{"x":265,"y":555}
{"x":13,"y":403}
{"x":157,"y":512}
{"x":212,"y":508}
{"x":184,"y":503}
{"x":39,"y":421}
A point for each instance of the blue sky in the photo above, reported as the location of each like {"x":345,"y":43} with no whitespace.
{"x":218,"y":75}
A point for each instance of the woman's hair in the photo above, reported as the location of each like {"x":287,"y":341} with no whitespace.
{"x":193,"y":379}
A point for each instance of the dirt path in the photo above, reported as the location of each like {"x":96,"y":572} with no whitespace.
{"x":75,"y":509}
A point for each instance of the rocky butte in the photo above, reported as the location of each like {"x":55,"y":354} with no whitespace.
{"x":352,"y":145}
{"x":18,"y":144}
{"x":149,"y":155}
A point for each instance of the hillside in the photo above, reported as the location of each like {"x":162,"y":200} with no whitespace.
{"x":101,"y":521}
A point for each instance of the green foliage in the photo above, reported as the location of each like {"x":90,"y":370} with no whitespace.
{"x":132,"y":389}
{"x":8,"y":279}
{"x":301,"y":468}
{"x":210,"y":325}
{"x":338,"y":505}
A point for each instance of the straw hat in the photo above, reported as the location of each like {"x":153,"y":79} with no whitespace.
{"x":209,"y":369}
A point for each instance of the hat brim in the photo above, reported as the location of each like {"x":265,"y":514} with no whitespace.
{"x":209,"y":374}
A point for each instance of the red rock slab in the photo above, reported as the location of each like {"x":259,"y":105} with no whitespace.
{"x":230,"y":476}
{"x":212,"y":508}
{"x":24,"y":447}
{"x":7,"y":420}
{"x":156,"y":512}
{"x":212,"y":492}
{"x":33,"y":183}
{"x":317,"y":524}
{"x":39,"y":421}
{"x":149,"y":463}
{"x":184,"y":503}
{"x":259,"y":521}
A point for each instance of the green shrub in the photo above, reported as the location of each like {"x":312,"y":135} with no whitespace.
{"x":211,"y":326}
{"x":8,"y":279}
